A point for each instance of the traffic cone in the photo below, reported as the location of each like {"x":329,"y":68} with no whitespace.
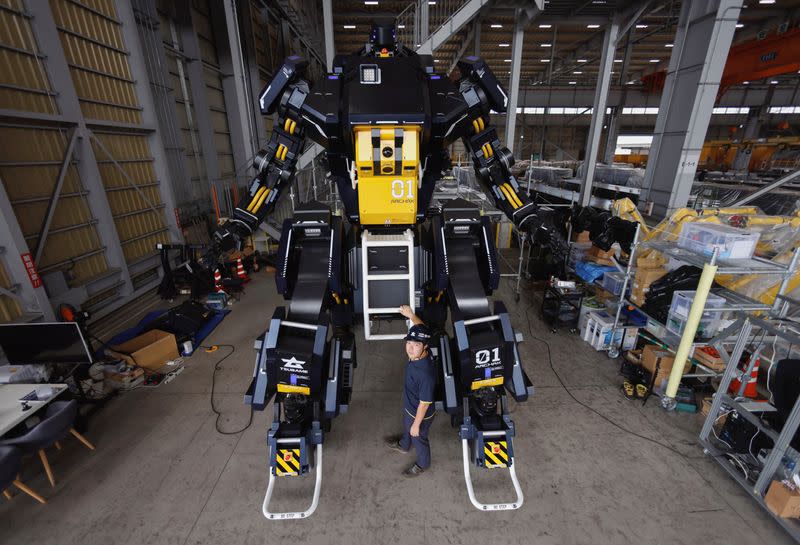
{"x":218,"y":282}
{"x":750,"y":390}
{"x":240,"y":271}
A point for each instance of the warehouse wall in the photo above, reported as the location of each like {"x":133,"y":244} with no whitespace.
{"x":117,"y":120}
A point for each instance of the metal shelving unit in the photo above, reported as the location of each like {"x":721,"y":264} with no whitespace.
{"x":735,"y":302}
{"x":723,"y":402}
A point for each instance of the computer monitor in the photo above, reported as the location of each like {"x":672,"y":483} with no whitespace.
{"x":41,"y":343}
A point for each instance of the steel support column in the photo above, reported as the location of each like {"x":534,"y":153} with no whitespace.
{"x":47,"y":37}
{"x":130,"y":36}
{"x":616,"y":111}
{"x":702,"y":41}
{"x":599,"y":108}
{"x":477,"y":36}
{"x":12,"y":246}
{"x":247,"y":12}
{"x":194,"y":71}
{"x":330,"y":48}
{"x":235,"y":85}
{"x":516,"y":66}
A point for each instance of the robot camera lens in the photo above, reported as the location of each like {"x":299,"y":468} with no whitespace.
{"x":387,"y":151}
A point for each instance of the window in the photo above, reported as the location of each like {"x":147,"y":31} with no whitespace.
{"x":784,"y":110}
{"x":729,"y":110}
{"x":640,"y":111}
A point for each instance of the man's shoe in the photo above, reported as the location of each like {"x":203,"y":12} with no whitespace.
{"x":413,"y":471}
{"x":393,"y":442}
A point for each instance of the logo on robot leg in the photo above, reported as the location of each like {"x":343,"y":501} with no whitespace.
{"x":293,"y":364}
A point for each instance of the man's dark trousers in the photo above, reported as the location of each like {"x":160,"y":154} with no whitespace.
{"x":420,"y":443}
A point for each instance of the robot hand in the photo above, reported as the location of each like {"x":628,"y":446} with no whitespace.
{"x":225,"y":238}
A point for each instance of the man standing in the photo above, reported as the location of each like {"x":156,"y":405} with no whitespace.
{"x":418,"y":392}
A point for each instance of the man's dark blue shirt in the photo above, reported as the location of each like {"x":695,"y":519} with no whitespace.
{"x":420,"y":385}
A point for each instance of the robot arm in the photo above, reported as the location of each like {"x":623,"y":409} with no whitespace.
{"x":275,"y":163}
{"x":480,"y":93}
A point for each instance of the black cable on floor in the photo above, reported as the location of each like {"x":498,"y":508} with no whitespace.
{"x":582,"y":404}
{"x":213,"y":386}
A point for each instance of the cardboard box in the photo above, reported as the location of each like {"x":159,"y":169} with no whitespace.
{"x":599,"y":256}
{"x":651,"y":261}
{"x":150,"y":350}
{"x":783,"y":500}
{"x":125,"y":380}
{"x":654,"y":356}
{"x":709,"y":357}
{"x":645,"y":277}
{"x":706,"y":405}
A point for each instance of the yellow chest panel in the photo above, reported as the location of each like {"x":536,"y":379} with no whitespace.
{"x":387,"y":169}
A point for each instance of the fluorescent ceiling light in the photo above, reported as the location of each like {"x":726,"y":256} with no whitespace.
{"x":617,"y":60}
{"x":370,"y":2}
{"x":739,"y":25}
{"x":431,"y":2}
{"x":435,"y":60}
{"x":745,"y":83}
{"x":504,"y":45}
{"x":349,"y":27}
{"x":577,"y":72}
{"x":545,"y":26}
{"x":773,"y":82}
{"x":544,"y":60}
{"x":655,"y":60}
{"x":641,"y":26}
{"x":401,"y":26}
{"x":631,"y":82}
{"x":547,"y":45}
{"x":592,"y":26}
{"x":573,"y":82}
{"x":582,"y":60}
{"x":766,"y":1}
{"x":669,"y":45}
{"x":507,"y":60}
{"x":496,"y":26}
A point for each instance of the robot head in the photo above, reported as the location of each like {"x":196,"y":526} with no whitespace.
{"x":382,"y":40}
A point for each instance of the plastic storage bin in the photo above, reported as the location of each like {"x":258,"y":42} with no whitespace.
{"x":578,"y":252}
{"x":612,"y":282}
{"x":598,"y":332}
{"x":679,"y":314}
{"x":704,"y":238}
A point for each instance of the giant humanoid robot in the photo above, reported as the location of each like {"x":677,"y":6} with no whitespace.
{"x":385,"y":118}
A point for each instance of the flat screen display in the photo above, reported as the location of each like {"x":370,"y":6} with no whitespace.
{"x":41,"y":343}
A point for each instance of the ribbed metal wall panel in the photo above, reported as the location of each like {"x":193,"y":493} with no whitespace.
{"x":139,"y":225}
{"x":213,"y":81}
{"x":23,"y":82}
{"x":9,"y":308}
{"x":184,"y":108}
{"x":30,"y":159}
{"x":92,"y":41}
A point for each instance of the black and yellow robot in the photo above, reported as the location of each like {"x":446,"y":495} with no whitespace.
{"x":385,"y":118}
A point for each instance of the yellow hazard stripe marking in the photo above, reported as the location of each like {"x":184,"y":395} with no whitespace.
{"x":496,"y":381}
{"x":290,"y":466}
{"x":260,"y":201}
{"x":255,"y":198}
{"x":503,"y":446}
{"x":508,"y":197}
{"x":513,"y":193}
{"x":291,"y":389}
{"x":491,"y":457}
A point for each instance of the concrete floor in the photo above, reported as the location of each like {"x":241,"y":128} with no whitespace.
{"x":161,"y":474}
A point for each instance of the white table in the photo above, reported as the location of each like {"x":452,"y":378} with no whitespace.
{"x":11,"y":412}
